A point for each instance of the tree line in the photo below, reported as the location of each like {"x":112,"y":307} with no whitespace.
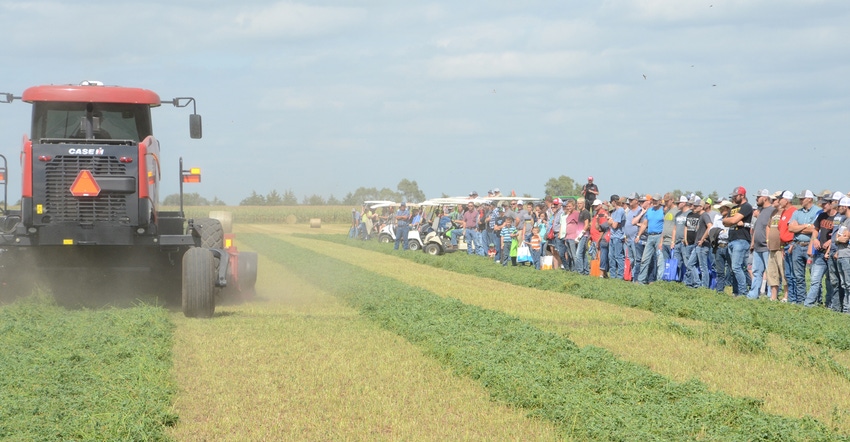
{"x":406,"y":190}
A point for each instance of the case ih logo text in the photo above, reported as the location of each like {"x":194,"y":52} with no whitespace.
{"x":98,"y":151}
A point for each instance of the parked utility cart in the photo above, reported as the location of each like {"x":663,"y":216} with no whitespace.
{"x":90,"y":202}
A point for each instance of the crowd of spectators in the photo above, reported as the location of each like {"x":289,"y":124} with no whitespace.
{"x":730,"y":246}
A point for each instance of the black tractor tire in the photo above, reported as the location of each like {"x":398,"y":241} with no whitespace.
{"x":414,"y":245}
{"x":208,"y":233}
{"x":385,"y":238}
{"x":225,"y":218}
{"x":433,"y":249}
{"x":199,"y":275}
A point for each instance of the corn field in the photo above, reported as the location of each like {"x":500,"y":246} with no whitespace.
{"x":274,"y":214}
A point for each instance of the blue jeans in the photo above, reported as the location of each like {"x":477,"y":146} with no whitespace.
{"x":759,"y":266}
{"x":473,"y":240}
{"x":816,"y":273}
{"x":666,"y":253}
{"x":698,"y":267}
{"x":684,"y":255}
{"x":844,"y":269}
{"x":561,"y":248}
{"x":635,"y":254}
{"x":454,"y":234}
{"x":571,"y":261}
{"x":603,"y":256}
{"x":790,"y":280}
{"x":649,"y":254}
{"x":535,"y":258}
{"x":401,"y":235}
{"x":836,"y":286}
{"x":582,"y":263}
{"x":798,"y":267}
{"x":739,"y":250}
{"x":615,"y":258}
{"x":723,"y":267}
{"x":506,"y":252}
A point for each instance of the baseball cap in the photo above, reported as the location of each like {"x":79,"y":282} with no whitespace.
{"x":647,"y":197}
{"x":696,"y":201}
{"x":837,"y":196}
{"x":709,"y":201}
{"x":825,"y":195}
{"x":776,"y":195}
{"x":496,"y":190}
{"x":633,"y":196}
{"x":556,"y":201}
{"x":763,"y":192}
{"x":845,"y":201}
{"x":519,"y":202}
{"x":597,"y":203}
{"x":806,"y":194}
{"x":738,"y":191}
{"x":590,"y":178}
{"x":683,"y":199}
{"x":473,"y":193}
{"x":403,"y":204}
{"x":657,"y":197}
{"x":788,"y":195}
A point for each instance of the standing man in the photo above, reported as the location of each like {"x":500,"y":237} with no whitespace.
{"x":802,"y":226}
{"x":470,"y":228}
{"x":684,"y":207}
{"x":722,"y":258}
{"x":666,"y":246}
{"x":761,"y":253}
{"x":617,"y":238}
{"x":402,"y":219}
{"x":739,"y":222}
{"x":833,"y":271}
{"x":820,"y":243}
{"x":787,"y":237}
{"x":775,"y":272}
{"x":633,"y":217}
{"x":590,"y":192}
{"x":842,"y":249}
{"x":652,"y":224}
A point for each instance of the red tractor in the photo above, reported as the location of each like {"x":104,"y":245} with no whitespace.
{"x":90,"y":218}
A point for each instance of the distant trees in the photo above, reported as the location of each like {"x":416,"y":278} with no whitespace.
{"x":562,"y":186}
{"x":191,"y":199}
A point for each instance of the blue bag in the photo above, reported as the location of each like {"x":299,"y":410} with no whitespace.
{"x":671,"y":270}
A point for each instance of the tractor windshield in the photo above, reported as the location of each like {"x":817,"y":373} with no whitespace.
{"x":100,"y":121}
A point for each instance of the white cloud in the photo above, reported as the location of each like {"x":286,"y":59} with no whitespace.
{"x":512,"y":64}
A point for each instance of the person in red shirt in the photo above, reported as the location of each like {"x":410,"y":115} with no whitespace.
{"x":787,"y":237}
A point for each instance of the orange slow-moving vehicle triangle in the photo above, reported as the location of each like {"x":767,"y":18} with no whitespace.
{"x":85,"y":185}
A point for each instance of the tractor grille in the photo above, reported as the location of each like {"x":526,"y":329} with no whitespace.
{"x":60,"y":205}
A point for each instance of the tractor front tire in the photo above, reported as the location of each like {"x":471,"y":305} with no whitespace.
{"x":199,"y":277}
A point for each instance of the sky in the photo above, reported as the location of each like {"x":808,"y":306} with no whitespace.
{"x":324,"y":97}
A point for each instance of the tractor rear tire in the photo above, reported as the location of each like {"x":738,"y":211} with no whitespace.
{"x":225,"y":218}
{"x":433,"y":249}
{"x":210,"y":233}
{"x":199,"y":275}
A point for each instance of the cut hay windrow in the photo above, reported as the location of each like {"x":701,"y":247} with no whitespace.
{"x":589,"y":393}
{"x":818,"y":326}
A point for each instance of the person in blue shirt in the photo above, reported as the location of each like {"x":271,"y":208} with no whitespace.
{"x":802,"y":226}
{"x":652,"y":225}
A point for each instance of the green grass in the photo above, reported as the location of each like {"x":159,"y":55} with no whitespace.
{"x":589,"y":393}
{"x":85,"y":374}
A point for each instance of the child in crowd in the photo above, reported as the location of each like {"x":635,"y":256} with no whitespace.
{"x":535,"y":243}
{"x":509,"y":233}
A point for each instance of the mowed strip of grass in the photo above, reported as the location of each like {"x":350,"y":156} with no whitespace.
{"x":84,"y":374}
{"x":299,"y":364}
{"x":819,"y":326}
{"x":588,"y":392}
{"x":787,"y":376}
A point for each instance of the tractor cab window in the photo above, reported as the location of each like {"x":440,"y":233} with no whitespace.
{"x":99,"y":121}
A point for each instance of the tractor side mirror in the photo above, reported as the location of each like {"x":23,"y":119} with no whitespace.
{"x":195,"y":130}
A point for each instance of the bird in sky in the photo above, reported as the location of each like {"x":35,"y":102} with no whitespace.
{"x":644,"y":76}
